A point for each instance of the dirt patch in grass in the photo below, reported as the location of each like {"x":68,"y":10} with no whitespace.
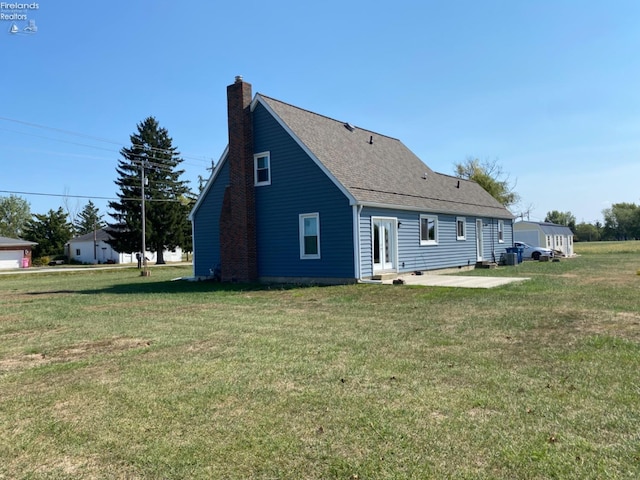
{"x":623,"y":324}
{"x":575,"y":323}
{"x":72,"y":353}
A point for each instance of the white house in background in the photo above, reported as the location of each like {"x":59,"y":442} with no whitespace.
{"x":93,"y":248}
{"x":541,"y":234}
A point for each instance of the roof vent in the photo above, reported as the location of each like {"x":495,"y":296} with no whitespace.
{"x":425,"y":175}
{"x":371,"y":140}
{"x":349,"y":127}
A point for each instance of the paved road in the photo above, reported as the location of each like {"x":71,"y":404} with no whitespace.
{"x":33,"y":270}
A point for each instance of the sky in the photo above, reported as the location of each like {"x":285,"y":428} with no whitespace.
{"x":549,"y":90}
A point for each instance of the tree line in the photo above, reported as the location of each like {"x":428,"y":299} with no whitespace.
{"x":150,"y":164}
{"x":621,"y":220}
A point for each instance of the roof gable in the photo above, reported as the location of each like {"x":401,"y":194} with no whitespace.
{"x":99,"y":235}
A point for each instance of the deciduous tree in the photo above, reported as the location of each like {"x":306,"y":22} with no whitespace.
{"x":621,"y":221}
{"x":490,"y":176}
{"x":14,"y":215}
{"x":562,"y":218}
{"x":587,"y":232}
{"x":51,"y":231}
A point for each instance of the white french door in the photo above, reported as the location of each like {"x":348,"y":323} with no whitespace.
{"x":384,"y":244}
{"x":479,"y":240}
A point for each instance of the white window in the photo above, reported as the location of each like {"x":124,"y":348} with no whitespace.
{"x":501,"y":231}
{"x":428,"y":230}
{"x":262,"y":169}
{"x":461,"y":228}
{"x":310,"y":236}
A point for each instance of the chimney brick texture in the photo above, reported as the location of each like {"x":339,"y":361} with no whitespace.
{"x":238,"y":245}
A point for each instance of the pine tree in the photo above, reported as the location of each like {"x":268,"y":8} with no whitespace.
{"x":88,"y":220}
{"x":151,"y":154}
{"x":51,"y":231}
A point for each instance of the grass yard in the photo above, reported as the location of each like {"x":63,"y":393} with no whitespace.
{"x":109,"y":375}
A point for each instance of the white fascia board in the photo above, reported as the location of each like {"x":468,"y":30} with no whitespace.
{"x":388,"y":206}
{"x":207,"y":187}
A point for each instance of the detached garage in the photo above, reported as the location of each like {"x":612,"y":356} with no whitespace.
{"x":541,"y":234}
{"x":15,"y":253}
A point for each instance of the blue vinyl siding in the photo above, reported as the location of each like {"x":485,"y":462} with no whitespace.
{"x":298,"y":186}
{"x":206,"y":226}
{"x":447,"y":253}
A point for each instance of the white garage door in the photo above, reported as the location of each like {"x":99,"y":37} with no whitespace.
{"x":10,"y":258}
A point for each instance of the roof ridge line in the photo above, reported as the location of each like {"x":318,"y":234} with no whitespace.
{"x":327,"y":117}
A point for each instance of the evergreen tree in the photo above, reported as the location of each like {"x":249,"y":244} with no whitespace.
{"x":51,"y":231}
{"x":88,"y":220}
{"x":152,"y":157}
{"x":14,"y":215}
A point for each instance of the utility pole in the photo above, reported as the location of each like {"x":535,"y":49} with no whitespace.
{"x":145,"y":271}
{"x":95,"y":243}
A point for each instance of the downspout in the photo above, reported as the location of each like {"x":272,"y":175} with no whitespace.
{"x":357,"y":209}
{"x":493,"y":240}
{"x":193,"y":248}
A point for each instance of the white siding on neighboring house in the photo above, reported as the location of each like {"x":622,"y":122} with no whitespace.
{"x":81,"y":249}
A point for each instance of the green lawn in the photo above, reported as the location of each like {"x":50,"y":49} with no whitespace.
{"x":106,"y":374}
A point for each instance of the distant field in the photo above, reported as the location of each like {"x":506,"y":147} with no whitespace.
{"x":587,"y":248}
{"x":106,"y":374}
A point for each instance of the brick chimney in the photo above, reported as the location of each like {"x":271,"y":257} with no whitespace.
{"x":238,"y":249}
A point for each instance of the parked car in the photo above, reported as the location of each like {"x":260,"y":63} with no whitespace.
{"x":533,"y":252}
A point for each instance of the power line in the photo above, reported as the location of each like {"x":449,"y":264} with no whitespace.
{"x":95,"y":197}
{"x":162,"y":151}
{"x":91,"y":137}
{"x":68,"y":132}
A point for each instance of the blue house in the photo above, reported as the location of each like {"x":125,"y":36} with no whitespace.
{"x":300,"y":197}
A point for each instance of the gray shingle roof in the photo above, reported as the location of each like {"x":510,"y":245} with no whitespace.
{"x":379,"y":170}
{"x":549,"y":228}
{"x":100,"y":235}
{"x":15,"y":242}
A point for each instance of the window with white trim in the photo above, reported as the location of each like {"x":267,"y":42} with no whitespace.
{"x":428,"y":230}
{"x":309,"y":235}
{"x":262,"y":169}
{"x":500,"y":231}
{"x":461,"y":228}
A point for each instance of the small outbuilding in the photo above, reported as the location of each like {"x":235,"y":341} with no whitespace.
{"x":93,"y":248}
{"x":15,"y":253}
{"x":543,"y":234}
